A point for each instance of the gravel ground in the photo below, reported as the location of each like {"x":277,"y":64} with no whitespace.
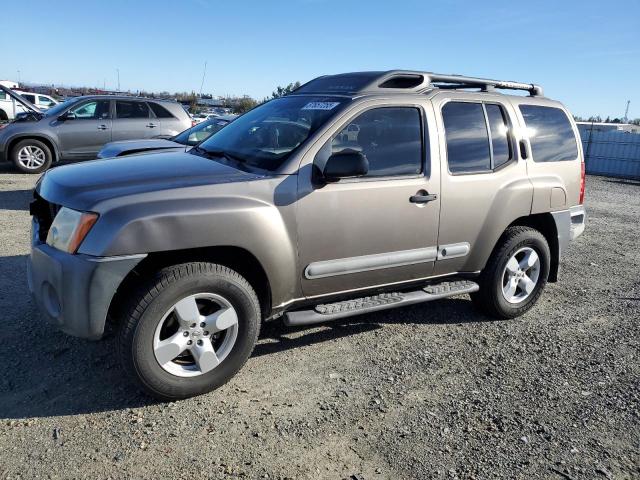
{"x":431,"y":391}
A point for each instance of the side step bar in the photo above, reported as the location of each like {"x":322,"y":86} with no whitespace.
{"x":358,"y":306}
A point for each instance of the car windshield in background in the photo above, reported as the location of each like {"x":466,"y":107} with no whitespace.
{"x":267,"y":135}
{"x":57,"y":109}
{"x":200,"y":132}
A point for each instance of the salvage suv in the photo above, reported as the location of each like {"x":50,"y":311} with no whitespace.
{"x":356,"y":193}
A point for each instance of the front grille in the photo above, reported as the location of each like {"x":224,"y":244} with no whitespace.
{"x":43,"y":212}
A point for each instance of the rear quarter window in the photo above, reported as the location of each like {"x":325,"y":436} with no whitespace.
{"x":160,"y":111}
{"x":550,"y":133}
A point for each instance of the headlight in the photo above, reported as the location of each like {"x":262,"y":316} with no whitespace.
{"x":69,"y":229}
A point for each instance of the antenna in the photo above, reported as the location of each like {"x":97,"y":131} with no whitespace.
{"x":626,"y":112}
{"x":204,"y":73}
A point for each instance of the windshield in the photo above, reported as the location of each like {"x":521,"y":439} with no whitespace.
{"x":267,"y":135}
{"x":55,"y":110}
{"x":200,"y":132}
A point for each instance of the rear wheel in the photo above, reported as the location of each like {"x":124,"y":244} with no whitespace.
{"x":515,"y":275}
{"x":189,"y":330}
{"x":31,"y":156}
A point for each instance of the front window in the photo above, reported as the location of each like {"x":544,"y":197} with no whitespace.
{"x":95,"y":110}
{"x":200,"y":132}
{"x":267,"y":135}
{"x":46,"y":101}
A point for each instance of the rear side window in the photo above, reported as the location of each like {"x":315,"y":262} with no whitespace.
{"x":125,"y":109}
{"x":3,"y":96}
{"x":550,"y":134}
{"x":160,"y":111}
{"x":467,"y":137}
{"x":29,"y":98}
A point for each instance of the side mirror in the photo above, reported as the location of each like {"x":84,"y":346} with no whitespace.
{"x":67,"y":116}
{"x":346,"y":164}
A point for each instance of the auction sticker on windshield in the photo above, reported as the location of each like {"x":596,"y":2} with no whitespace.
{"x":320,"y":105}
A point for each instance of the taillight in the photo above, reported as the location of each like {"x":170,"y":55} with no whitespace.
{"x":582,"y":183}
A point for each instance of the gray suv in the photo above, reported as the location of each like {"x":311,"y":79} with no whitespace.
{"x":356,"y":193}
{"x":78,"y":128}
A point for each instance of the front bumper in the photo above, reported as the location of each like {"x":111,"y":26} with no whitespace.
{"x":74,"y":292}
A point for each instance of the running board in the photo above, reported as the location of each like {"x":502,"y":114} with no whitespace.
{"x":358,"y":306}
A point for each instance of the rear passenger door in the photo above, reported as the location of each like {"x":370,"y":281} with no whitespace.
{"x":169,"y":125}
{"x":484,"y":180}
{"x":133,"y":120}
{"x":555,"y":155}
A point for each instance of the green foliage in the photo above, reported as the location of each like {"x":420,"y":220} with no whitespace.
{"x":282,"y":91}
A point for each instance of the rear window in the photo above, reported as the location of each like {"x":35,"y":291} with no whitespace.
{"x":550,"y":134}
{"x":126,"y":109}
{"x":160,"y":111}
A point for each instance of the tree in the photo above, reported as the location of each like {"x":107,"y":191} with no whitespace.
{"x":282,"y":91}
{"x":244,"y":104}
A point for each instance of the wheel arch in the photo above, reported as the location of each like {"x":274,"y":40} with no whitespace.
{"x":41,"y":138}
{"x":235,"y":258}
{"x":545,"y":224}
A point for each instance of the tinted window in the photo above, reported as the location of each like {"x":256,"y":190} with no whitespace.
{"x":3,"y":96}
{"x":390,"y":138}
{"x":126,"y":109}
{"x":499,"y":128}
{"x":97,"y":109}
{"x":160,"y":111}
{"x":467,"y":137}
{"x":550,"y":134}
{"x":28,"y":98}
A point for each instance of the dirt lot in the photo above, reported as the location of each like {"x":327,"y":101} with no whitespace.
{"x":431,"y":391}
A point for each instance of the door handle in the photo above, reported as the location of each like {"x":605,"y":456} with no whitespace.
{"x":102,"y":127}
{"x":151,"y":125}
{"x":423,"y":197}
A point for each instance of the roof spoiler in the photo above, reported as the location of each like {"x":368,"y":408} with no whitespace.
{"x":21,"y":100}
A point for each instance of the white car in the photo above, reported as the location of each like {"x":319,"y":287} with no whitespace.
{"x":9,"y":108}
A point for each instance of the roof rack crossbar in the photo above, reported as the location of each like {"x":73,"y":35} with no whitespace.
{"x":459,"y":81}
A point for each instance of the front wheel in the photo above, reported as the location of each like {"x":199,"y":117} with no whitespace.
{"x":31,"y":156}
{"x":515,"y":275}
{"x":189,"y":330}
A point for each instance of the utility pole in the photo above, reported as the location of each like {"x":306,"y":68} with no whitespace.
{"x":203,"y":75}
{"x":18,"y":77}
{"x":118,"y":70}
{"x":626,"y":112}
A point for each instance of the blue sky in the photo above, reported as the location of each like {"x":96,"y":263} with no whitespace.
{"x":584,"y":53}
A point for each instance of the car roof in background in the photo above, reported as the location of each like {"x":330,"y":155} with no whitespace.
{"x":121,"y":97}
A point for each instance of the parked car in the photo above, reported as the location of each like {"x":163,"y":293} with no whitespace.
{"x":43,"y":102}
{"x":182,"y":141}
{"x":78,"y":128}
{"x":448,"y":188}
{"x":9,"y":107}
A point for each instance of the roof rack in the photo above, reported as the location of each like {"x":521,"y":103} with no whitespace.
{"x":407,"y":81}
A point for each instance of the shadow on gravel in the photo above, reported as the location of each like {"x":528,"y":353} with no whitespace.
{"x":61,"y":375}
{"x":15,"y":199}
{"x":624,"y":181}
{"x":441,"y":312}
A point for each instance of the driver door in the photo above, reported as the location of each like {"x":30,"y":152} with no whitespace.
{"x":82,"y":136}
{"x":369,"y":231}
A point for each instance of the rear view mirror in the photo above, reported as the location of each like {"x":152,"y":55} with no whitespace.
{"x":346,"y":164}
{"x":67,"y":116}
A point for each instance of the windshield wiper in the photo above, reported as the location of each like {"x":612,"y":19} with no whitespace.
{"x":218,"y":154}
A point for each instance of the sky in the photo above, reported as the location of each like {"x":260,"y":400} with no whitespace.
{"x":584,"y":53}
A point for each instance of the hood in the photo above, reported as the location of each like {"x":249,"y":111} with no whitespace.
{"x":83,"y":185}
{"x":129,"y":147}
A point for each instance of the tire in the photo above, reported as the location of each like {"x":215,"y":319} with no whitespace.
{"x":40,"y":158}
{"x":491,"y":299}
{"x":147,"y":315}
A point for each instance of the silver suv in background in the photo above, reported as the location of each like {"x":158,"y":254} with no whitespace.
{"x":356,"y":193}
{"x":78,"y":128}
